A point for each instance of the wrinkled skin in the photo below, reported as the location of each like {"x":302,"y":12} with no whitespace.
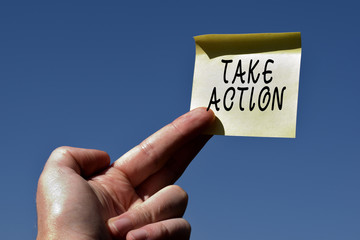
{"x":81,"y":196}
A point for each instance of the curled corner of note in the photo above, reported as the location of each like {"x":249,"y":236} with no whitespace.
{"x":215,"y":45}
{"x":250,"y":81}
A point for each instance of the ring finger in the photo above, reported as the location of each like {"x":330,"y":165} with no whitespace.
{"x":169,"y":202}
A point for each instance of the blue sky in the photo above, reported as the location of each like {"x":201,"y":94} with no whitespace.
{"x":106,"y":75}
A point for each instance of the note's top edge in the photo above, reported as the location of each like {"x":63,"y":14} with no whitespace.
{"x":215,"y":45}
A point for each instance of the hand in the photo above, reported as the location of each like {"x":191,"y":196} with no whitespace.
{"x":81,"y":197}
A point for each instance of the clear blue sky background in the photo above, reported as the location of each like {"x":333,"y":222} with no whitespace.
{"x":106,"y":74}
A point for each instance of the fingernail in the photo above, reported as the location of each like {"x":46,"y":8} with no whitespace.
{"x":140,"y":234}
{"x":122,"y":226}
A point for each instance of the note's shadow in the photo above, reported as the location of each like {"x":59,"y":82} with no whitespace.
{"x":215,"y":45}
{"x":216,"y":128}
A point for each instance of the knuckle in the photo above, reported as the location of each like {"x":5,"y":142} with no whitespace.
{"x":184,"y":228}
{"x":148,"y":149}
{"x":180,"y":193}
{"x":178,"y":228}
{"x":164,"y":230}
{"x":143,"y":215}
{"x":60,"y":152}
{"x":177,"y":128}
{"x":187,"y":225}
{"x":152,"y":156}
{"x":59,"y":158}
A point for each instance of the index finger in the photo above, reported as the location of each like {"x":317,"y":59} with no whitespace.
{"x":152,"y":154}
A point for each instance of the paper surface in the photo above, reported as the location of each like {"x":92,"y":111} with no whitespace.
{"x":250,"y":82}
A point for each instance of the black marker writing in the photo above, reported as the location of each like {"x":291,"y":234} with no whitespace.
{"x":266,"y":95}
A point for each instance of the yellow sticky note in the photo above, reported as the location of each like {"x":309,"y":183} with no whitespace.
{"x":250,"y":81}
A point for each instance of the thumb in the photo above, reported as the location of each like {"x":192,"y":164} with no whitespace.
{"x":83,"y":161}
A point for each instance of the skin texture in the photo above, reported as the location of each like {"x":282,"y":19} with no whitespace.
{"x":81,"y":196}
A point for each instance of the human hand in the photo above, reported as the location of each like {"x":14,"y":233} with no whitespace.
{"x":81,"y":197}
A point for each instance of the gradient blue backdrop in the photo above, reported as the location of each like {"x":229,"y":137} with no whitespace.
{"x":106,"y":74}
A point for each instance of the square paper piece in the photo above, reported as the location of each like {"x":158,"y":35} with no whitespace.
{"x":250,"y":82}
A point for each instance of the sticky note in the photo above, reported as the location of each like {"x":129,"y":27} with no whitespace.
{"x":250,"y":82}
